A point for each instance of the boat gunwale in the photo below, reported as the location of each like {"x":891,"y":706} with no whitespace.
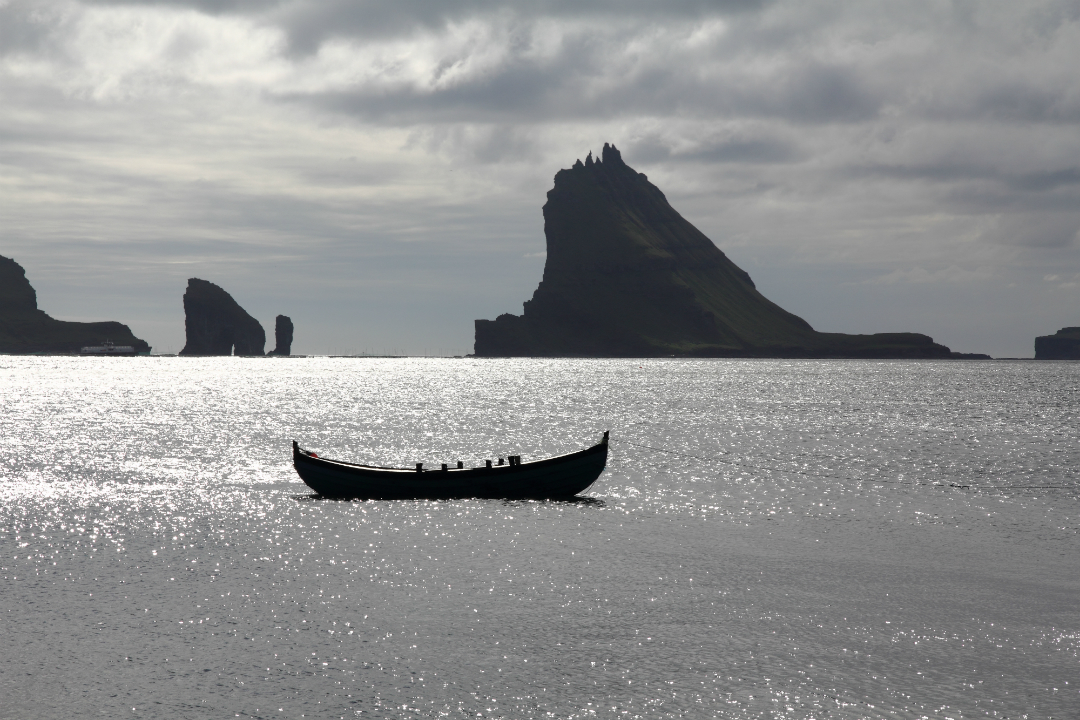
{"x":299,"y":452}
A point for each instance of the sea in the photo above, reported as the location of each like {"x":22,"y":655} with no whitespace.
{"x":770,"y":539}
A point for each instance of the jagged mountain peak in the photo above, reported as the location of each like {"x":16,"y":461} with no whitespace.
{"x":610,"y":157}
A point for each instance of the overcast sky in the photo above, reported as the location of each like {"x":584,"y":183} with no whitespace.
{"x":376,"y":169}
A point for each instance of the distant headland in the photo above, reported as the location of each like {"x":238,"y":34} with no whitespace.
{"x":26,"y":329}
{"x":628,"y":276}
{"x":1062,"y":345}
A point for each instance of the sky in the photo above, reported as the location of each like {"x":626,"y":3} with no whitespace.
{"x":376,"y":169}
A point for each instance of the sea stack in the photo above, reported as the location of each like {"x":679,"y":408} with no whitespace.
{"x":216,"y":325}
{"x":627,"y":275}
{"x":1062,"y":345}
{"x":283,"y":332}
{"x":26,"y":329}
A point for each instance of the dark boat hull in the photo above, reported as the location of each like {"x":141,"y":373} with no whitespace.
{"x":558,"y":477}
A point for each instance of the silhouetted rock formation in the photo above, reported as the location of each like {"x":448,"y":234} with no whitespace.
{"x":217,"y":325}
{"x":283,"y":329}
{"x":626,"y":275}
{"x":1062,"y":345}
{"x":26,"y":329}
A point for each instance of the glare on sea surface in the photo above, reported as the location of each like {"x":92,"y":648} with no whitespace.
{"x":772,"y":538}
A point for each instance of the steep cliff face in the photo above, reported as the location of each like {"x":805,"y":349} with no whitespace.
{"x":283,"y":333}
{"x":1062,"y":345}
{"x":26,"y":329}
{"x":216,"y":325}
{"x":626,"y":275}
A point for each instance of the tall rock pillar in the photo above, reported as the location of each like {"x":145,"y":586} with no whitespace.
{"x":216,"y":324}
{"x":283,"y":334}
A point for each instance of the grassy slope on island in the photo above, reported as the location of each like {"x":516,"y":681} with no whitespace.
{"x":627,"y":275}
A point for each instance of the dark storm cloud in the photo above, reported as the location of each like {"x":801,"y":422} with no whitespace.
{"x":516,"y":89}
{"x":986,"y":188}
{"x":309,"y":24}
{"x":565,"y":87}
{"x":436,"y":11}
{"x":1023,"y":103}
{"x":22,"y":29}
{"x":214,"y":7}
{"x":1040,"y":182}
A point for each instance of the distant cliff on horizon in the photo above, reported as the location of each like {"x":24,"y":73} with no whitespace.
{"x":628,"y":276}
{"x":1062,"y":345}
{"x":26,"y":329}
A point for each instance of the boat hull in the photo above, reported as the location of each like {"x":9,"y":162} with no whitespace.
{"x":558,"y":477}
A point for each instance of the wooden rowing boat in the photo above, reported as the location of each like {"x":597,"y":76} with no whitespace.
{"x":562,"y":476}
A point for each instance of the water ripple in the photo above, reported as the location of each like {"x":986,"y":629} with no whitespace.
{"x":800,"y":546}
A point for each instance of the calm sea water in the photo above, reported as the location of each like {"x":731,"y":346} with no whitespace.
{"x":771,"y":539}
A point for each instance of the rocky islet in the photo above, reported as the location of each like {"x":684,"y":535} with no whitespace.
{"x":627,"y":275}
{"x":215,"y":324}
